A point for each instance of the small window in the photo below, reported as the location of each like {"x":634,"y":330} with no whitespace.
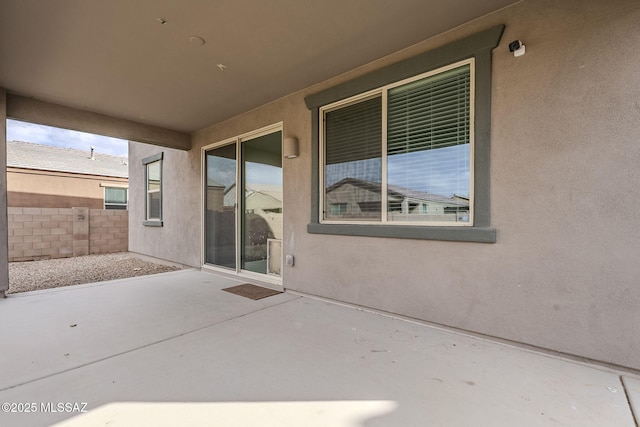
{"x":153,"y":189}
{"x":338,"y":209}
{"x":115,"y":198}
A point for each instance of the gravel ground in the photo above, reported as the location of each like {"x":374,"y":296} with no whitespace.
{"x":52,"y":273}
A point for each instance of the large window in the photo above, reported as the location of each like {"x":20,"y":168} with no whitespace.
{"x":402,"y":154}
{"x":404,"y":151}
{"x":153,"y":190}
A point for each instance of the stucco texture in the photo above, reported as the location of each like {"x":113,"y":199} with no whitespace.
{"x":4,"y":243}
{"x":178,"y":240}
{"x":563,"y":274}
{"x":48,"y":189}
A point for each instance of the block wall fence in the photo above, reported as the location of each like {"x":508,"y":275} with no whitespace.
{"x":46,"y":233}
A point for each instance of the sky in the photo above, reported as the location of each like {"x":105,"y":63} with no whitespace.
{"x":223,"y":171}
{"x":46,"y":135}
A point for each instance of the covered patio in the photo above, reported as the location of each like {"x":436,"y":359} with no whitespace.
{"x":173,"y":349}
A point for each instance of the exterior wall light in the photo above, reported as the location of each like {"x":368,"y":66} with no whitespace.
{"x":290,"y":149}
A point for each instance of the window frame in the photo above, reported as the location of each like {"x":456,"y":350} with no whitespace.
{"x":104,"y":197}
{"x":147,"y":162}
{"x":382,"y":93}
{"x":478,"y":46}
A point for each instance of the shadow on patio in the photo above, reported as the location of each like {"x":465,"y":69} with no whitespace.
{"x":172,"y":349}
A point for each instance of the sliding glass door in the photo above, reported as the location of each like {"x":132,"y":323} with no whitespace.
{"x":243,"y":204}
{"x":220,"y":213}
{"x":261,"y":228}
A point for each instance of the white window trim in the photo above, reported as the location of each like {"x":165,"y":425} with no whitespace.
{"x":120,"y":187}
{"x":382,"y":92}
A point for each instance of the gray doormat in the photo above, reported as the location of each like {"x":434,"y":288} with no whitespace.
{"x":254,"y":292}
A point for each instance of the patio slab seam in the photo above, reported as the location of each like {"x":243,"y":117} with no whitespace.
{"x":631,"y":400}
{"x":102,"y":359}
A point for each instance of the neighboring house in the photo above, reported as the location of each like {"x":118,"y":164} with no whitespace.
{"x":353,"y":198}
{"x":532,"y":153}
{"x":44,"y":176}
{"x":262,"y":205}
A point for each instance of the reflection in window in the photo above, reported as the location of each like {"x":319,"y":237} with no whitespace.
{"x":262,"y":204}
{"x":338,"y":209}
{"x":425,"y":153}
{"x":353,"y":159}
{"x":153,"y":191}
{"x":220,"y":220}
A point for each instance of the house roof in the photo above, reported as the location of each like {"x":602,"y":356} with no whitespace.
{"x":185,"y":65}
{"x":213,"y":183}
{"x":28,"y":155}
{"x":401,"y":192}
{"x":273,"y":192}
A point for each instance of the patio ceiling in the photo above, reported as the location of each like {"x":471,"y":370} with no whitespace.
{"x":118,"y":58}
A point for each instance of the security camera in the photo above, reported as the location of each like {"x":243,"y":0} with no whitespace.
{"x":517,"y":48}
{"x":515,"y":45}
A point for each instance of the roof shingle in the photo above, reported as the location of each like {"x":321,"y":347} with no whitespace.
{"x":28,"y":155}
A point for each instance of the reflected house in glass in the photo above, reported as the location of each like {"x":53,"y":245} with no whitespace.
{"x":263,"y":208}
{"x":215,"y":197}
{"x":264,"y":201}
{"x":357,"y":199}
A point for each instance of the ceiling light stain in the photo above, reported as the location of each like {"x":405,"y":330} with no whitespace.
{"x":196,"y":40}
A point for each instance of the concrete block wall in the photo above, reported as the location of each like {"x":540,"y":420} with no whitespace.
{"x":46,"y":233}
{"x":108,"y":231}
{"x":80,"y":231}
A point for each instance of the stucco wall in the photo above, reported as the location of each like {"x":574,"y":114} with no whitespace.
{"x":179,"y":239}
{"x":563,"y":274}
{"x":49,"y":189}
{"x":4,"y":230}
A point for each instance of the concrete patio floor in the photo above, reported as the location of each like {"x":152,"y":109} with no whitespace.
{"x":174,"y":350}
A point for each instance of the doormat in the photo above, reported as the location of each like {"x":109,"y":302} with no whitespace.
{"x":252,"y":291}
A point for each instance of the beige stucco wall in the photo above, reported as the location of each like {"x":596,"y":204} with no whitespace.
{"x":565,"y":150}
{"x":51,"y":189}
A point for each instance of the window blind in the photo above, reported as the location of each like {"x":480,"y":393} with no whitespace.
{"x":354,"y":132}
{"x":430,"y":113}
{"x":428,"y":152}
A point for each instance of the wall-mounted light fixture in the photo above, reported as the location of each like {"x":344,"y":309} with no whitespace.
{"x":290,"y":149}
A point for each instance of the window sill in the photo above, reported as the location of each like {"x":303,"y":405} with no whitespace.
{"x":152,"y":223}
{"x":453,"y":234}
